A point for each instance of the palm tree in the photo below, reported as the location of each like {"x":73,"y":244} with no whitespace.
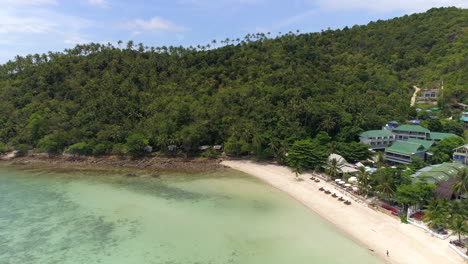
{"x":385,"y":185}
{"x":461,"y":185}
{"x":380,"y":159}
{"x":333,"y":168}
{"x":298,"y":171}
{"x":363,"y":177}
{"x":437,"y":213}
{"x":459,"y":226}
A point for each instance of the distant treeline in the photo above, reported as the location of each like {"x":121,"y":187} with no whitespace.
{"x":255,"y":93}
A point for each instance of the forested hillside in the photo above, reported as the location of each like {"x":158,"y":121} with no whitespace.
{"x":256,"y":92}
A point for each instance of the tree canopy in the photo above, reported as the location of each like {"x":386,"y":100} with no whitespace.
{"x":253,"y":93}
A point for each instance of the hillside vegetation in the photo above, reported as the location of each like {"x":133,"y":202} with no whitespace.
{"x":255,"y":93}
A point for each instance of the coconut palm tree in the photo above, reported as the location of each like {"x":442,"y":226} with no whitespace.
{"x":333,"y":168}
{"x":385,"y":186}
{"x":363,"y":177}
{"x":461,"y":185}
{"x":437,"y":213}
{"x":459,"y":226}
{"x":298,"y":171}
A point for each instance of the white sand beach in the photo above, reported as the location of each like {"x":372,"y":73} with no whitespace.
{"x":374,"y":230}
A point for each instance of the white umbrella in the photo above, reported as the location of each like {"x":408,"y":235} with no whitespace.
{"x":337,"y":180}
{"x":326,"y":189}
{"x":347,"y":185}
{"x":355,"y":188}
{"x":352,"y":179}
{"x":345,"y":198}
{"x":341,"y":182}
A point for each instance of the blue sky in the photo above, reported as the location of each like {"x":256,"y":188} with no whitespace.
{"x":38,"y":26}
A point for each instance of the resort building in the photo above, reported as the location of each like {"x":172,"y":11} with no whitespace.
{"x":464,"y":119}
{"x":460,"y":155}
{"x":377,"y":139}
{"x":443,"y":175}
{"x":405,"y":132}
{"x":344,"y":166}
{"x":404,"y":151}
{"x":429,"y":93}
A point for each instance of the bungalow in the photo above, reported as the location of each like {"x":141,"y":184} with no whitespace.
{"x":405,"y":132}
{"x":464,"y":119}
{"x":460,"y":155}
{"x":405,"y":151}
{"x":377,"y":139}
{"x":443,"y":175}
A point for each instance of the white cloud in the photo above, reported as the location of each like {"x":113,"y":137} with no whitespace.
{"x":389,"y":5}
{"x":154,"y":24}
{"x":100,"y":3}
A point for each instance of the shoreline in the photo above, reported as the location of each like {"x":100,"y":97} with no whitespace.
{"x":93,"y":162}
{"x":371,"y":229}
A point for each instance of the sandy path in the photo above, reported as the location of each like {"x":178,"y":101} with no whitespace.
{"x":375,"y":230}
{"x":413,"y":99}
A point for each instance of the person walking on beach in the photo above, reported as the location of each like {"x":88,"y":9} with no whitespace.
{"x":388,"y":254}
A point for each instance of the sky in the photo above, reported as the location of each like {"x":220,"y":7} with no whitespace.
{"x":39,"y":26}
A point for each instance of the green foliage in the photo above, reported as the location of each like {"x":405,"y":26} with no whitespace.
{"x":460,"y":186}
{"x":119,"y":149}
{"x":417,"y":193}
{"x":53,"y":144}
{"x":353,"y":151}
{"x":434,"y":125}
{"x":306,"y":154}
{"x":438,"y":213}
{"x":444,"y":149}
{"x":249,"y":93}
{"x":81,"y":148}
{"x":100,"y":149}
{"x":21,"y":150}
{"x":386,"y":180}
{"x":136,"y":144}
{"x":3,"y":147}
{"x":333,"y":168}
{"x":210,"y":153}
{"x":459,"y":226}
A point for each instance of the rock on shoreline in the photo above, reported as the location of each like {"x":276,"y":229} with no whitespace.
{"x":154,"y":163}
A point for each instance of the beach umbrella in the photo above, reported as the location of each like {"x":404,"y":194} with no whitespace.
{"x":345,"y":198}
{"x":347,"y":185}
{"x":341,"y":182}
{"x":326,"y":189}
{"x":352,"y":179}
{"x":355,"y":189}
{"x":337,"y":180}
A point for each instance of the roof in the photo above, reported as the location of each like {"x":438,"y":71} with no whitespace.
{"x":376,"y":133}
{"x":439,"y":172}
{"x":341,"y":161}
{"x":412,"y":128}
{"x":406,"y":147}
{"x":440,"y":135}
{"x":464,"y":146}
{"x":464,"y":118}
{"x":425,"y":143}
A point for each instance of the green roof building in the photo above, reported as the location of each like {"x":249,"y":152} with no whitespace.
{"x":404,"y":151}
{"x":438,"y":136}
{"x":443,"y":175}
{"x":405,"y":132}
{"x":377,"y":139}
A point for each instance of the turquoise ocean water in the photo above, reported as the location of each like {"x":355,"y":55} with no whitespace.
{"x":204,"y":218}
